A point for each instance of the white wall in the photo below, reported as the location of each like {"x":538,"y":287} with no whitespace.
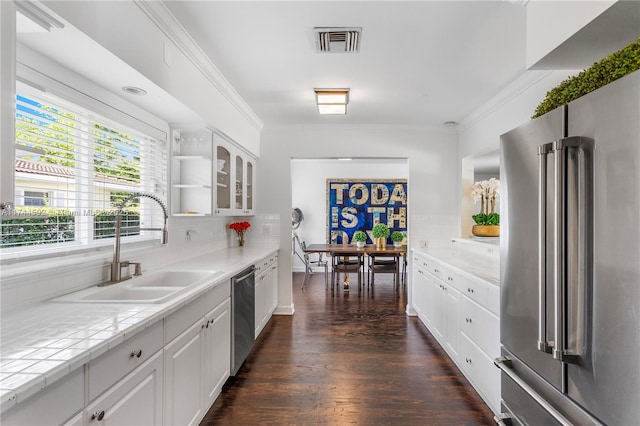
{"x":309,"y":189}
{"x":128,"y":30}
{"x":481,"y":131}
{"x":550,"y":23}
{"x":433,"y":176}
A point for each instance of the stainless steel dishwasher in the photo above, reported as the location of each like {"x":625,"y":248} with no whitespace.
{"x":243,"y":295}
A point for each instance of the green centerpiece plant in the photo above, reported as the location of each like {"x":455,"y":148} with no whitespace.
{"x":397,"y":237}
{"x":360,"y":237}
{"x":380,"y":232}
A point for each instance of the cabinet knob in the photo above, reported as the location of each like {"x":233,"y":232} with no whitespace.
{"x":134,"y":354}
{"x":98,"y":415}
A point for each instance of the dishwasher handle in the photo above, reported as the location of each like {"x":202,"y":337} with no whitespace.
{"x":245,"y":276}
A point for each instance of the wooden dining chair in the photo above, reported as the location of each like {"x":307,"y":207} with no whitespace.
{"x":383,"y":264}
{"x":346,"y":264}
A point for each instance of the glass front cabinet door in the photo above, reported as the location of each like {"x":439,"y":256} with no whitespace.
{"x":235,"y":179}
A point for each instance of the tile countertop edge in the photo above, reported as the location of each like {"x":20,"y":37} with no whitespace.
{"x":465,"y":263}
{"x":141,"y":316}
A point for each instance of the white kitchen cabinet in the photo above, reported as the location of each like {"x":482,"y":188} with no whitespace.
{"x":198,"y":359}
{"x":461,"y":311}
{"x":183,"y":365}
{"x":216,"y":351}
{"x":134,"y":400}
{"x":266,"y":291}
{"x":420,"y":290}
{"x":235,"y":179}
{"x":54,"y":405}
{"x":192,"y":173}
{"x":77,"y":420}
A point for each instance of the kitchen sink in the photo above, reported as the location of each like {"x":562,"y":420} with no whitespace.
{"x":155,"y":287}
{"x":170,"y":278}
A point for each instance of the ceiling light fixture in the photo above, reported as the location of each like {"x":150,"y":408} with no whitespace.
{"x":132,"y":90}
{"x":332,"y":101}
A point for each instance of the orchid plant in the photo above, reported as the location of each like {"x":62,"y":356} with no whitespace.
{"x":486,"y":191}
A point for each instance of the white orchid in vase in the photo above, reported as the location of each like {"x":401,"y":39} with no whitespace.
{"x":486,"y":191}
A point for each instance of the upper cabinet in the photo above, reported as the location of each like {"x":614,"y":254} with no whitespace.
{"x":210,"y":175}
{"x":191,"y":172}
{"x":235,"y":177}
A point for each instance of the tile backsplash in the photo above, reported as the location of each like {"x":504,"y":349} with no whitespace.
{"x":29,"y":282}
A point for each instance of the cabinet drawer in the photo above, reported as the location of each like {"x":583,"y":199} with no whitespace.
{"x":265,"y":264}
{"x":134,"y":400}
{"x":481,"y":371}
{"x":475,"y":290}
{"x":116,"y":363}
{"x":481,"y":326}
{"x":421,"y":262}
{"x":180,"y":320}
{"x":54,"y":405}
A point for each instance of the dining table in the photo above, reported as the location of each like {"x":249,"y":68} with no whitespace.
{"x":368,"y":249}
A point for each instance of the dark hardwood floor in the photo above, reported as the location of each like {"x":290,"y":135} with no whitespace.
{"x":351,"y":358}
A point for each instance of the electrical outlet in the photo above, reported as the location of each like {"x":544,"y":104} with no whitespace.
{"x":266,"y":229}
{"x":423,"y":244}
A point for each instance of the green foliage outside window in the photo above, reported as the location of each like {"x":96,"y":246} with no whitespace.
{"x":50,"y":226}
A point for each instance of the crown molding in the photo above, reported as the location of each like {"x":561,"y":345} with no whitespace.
{"x":162,"y":17}
{"x":518,"y":86}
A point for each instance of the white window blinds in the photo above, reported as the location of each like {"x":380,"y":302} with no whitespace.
{"x":73,"y":170}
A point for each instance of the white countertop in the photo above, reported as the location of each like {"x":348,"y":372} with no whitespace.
{"x":477,"y":259}
{"x":43,"y":343}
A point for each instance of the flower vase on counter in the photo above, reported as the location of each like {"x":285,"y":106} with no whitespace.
{"x":240,"y":228}
{"x":487,"y":221}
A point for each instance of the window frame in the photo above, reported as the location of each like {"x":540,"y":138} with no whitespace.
{"x":87,"y":95}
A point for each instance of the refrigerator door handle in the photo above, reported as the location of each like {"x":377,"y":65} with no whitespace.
{"x":504,"y":364}
{"x":561,"y":352}
{"x":559,"y":243}
{"x":544,"y":345}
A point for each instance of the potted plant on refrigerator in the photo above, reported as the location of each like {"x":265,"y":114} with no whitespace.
{"x":360,"y":237}
{"x":380,"y":232}
{"x":487,"y":221}
{"x":397,"y":237}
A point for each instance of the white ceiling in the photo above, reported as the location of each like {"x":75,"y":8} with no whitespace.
{"x":420,"y":62}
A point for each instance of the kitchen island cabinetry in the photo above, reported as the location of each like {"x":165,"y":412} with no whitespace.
{"x":461,"y":310}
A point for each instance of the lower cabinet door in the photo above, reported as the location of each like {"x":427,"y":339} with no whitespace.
{"x":451,"y":320}
{"x":135,"y":400}
{"x":481,"y":371}
{"x":261,"y":303}
{"x":182,"y":365}
{"x":217,"y":351}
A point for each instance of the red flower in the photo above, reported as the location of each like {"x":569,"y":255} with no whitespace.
{"x":239,"y":226}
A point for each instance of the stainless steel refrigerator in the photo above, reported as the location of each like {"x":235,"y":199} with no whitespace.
{"x":570,"y":262}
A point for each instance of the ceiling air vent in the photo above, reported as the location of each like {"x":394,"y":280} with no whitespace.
{"x":338,"y":39}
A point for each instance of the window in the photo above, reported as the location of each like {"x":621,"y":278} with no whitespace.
{"x":73,"y":170}
{"x":35,"y":198}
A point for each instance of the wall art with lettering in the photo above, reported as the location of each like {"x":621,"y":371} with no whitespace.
{"x":358,"y":204}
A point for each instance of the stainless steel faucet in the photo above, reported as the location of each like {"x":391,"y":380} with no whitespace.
{"x":117,"y":265}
